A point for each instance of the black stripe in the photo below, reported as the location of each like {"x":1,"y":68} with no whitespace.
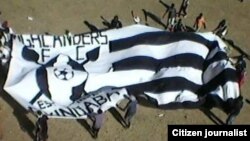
{"x":42,"y":81}
{"x":164,"y":85}
{"x":93,"y":54}
{"x":78,"y":91}
{"x":159,"y":38}
{"x":149,"y":63}
{"x":36,"y":97}
{"x":30,"y":55}
{"x":221,"y":79}
{"x":217,"y":57}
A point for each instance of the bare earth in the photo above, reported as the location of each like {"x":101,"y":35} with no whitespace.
{"x":57,"y":15}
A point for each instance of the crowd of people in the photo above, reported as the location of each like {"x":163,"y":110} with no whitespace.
{"x":175,"y":20}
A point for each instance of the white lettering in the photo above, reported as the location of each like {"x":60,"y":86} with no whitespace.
{"x":175,"y":132}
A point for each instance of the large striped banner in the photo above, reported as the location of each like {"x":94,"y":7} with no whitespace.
{"x":71,"y":76}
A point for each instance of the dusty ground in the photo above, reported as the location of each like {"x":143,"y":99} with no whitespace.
{"x":57,"y":15}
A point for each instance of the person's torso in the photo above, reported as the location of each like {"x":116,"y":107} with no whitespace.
{"x":201,"y":21}
{"x":172,"y":13}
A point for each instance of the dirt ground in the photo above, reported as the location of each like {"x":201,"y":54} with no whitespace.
{"x":57,"y":15}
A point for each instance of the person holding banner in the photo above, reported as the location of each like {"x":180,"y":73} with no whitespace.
{"x":115,"y":23}
{"x":171,"y":16}
{"x":240,"y":66}
{"x":98,"y":122}
{"x":222,"y":29}
{"x":241,"y":70}
{"x":41,"y":127}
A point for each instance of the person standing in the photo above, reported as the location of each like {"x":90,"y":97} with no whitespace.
{"x":41,"y":127}
{"x":136,"y":18}
{"x":98,"y":122}
{"x":241,"y":70}
{"x":199,"y":22}
{"x":221,"y":29}
{"x":171,"y":16}
{"x":180,"y":27}
{"x":240,"y":65}
{"x":6,"y":28}
{"x":131,"y":110}
{"x":115,"y":23}
{"x":183,"y":8}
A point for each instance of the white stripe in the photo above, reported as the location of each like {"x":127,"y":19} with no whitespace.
{"x":188,"y":73}
{"x":215,"y":68}
{"x":25,"y":87}
{"x":129,"y":31}
{"x":213,"y":37}
{"x":175,"y":96}
{"x":130,"y":77}
{"x":106,"y":59}
{"x":227,"y":91}
{"x":212,"y":53}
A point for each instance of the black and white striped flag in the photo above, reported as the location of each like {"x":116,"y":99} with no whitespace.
{"x":73,"y":75}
